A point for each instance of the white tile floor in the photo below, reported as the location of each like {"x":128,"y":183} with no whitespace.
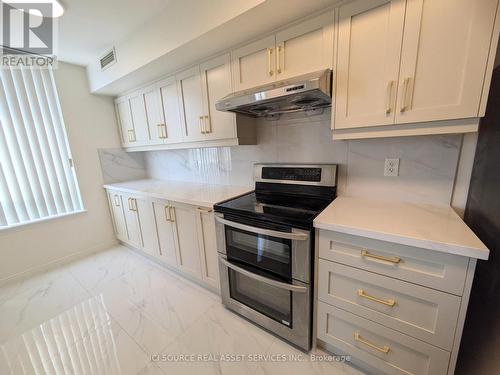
{"x":110,"y":312}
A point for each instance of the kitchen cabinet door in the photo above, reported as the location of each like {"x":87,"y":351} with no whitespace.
{"x":216,"y":81}
{"x":118,"y":215}
{"x":124,"y":115}
{"x":306,"y":47}
{"x":368,"y":56}
{"x":166,"y":232}
{"x":186,"y":230}
{"x":444,"y":56}
{"x":145,"y":214}
{"x":134,"y":235}
{"x":174,"y":128}
{"x":208,"y":248}
{"x":254,"y":64}
{"x":139,"y":119}
{"x":192,"y":112}
{"x":154,"y":114}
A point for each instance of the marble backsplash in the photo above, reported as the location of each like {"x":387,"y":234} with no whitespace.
{"x":428,"y":164}
{"x":120,"y":166}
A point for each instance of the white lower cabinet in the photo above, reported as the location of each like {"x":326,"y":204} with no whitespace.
{"x":165,"y":227}
{"x":424,"y":313}
{"x":179,"y":235}
{"x":185,"y":219}
{"x":118,"y":215}
{"x":134,"y":236}
{"x":379,"y":347}
{"x":395,"y":309}
{"x":208,"y":247}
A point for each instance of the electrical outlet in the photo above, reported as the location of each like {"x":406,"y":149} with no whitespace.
{"x":391,"y":167}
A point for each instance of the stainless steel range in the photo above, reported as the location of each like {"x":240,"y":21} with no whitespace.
{"x":265,"y":241}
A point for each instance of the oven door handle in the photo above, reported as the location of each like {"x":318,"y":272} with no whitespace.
{"x":266,"y":232}
{"x":275,"y":283}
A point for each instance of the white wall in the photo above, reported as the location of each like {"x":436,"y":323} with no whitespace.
{"x":91,"y":124}
{"x":428,"y":164}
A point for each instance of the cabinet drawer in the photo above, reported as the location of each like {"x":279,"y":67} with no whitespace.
{"x":382,"y":348}
{"x":423,"y":313}
{"x":420,"y":266}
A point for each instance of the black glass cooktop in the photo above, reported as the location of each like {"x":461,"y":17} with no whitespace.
{"x":298,"y":211}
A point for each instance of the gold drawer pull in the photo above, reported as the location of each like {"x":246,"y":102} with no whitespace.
{"x":394,"y":260}
{"x":384,"y":349}
{"x":389,"y":302}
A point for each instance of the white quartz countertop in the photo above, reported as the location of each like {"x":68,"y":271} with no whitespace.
{"x":196,"y":194}
{"x":436,"y":228}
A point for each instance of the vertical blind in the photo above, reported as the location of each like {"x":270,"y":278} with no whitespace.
{"x":37,"y":178}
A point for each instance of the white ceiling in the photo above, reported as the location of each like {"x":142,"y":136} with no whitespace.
{"x":89,"y":27}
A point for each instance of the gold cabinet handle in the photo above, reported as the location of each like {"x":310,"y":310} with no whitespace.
{"x":129,"y":206}
{"x":404,"y":94}
{"x":202,"y":125}
{"x":162,"y":131}
{"x":384,"y":349}
{"x":131,"y":135}
{"x":203,"y":210}
{"x":269,"y":61}
{"x":134,"y":204}
{"x":278,"y":63}
{"x":394,"y":260}
{"x":167,"y":214}
{"x":172,"y":214}
{"x":389,"y":302}
{"x":208,"y":125}
{"x":117,"y":201}
{"x":388,"y":104}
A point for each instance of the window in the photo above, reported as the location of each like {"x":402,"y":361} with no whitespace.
{"x":37,"y":178}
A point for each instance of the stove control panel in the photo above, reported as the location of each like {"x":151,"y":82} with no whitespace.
{"x":306,"y":174}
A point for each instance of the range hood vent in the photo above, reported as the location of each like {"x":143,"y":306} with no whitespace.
{"x":307,"y":93}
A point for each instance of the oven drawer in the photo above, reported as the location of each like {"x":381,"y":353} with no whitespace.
{"x":423,"y":313}
{"x":387,"y":350}
{"x":436,"y":270}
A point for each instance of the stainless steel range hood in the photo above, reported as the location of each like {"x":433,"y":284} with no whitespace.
{"x":310,"y":92}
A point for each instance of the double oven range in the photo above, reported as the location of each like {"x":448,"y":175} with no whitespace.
{"x":265,"y":241}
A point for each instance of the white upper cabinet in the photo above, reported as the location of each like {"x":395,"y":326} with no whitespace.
{"x":254,"y":64}
{"x":368,"y":55}
{"x":174,"y":130}
{"x":154,"y":115}
{"x":139,"y":118}
{"x":125,"y":121}
{"x":411,"y":61}
{"x":216,"y":82}
{"x":444,"y":57}
{"x":305,"y":47}
{"x":192,"y":111}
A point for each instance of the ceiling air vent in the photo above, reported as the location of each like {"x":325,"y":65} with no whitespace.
{"x":108,"y":59}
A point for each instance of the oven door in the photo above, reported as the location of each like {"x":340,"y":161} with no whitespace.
{"x":284,"y":253}
{"x":283,"y":308}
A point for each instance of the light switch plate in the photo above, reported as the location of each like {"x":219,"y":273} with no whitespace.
{"x":391,"y":167}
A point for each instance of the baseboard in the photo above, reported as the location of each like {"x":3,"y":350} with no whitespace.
{"x":58,"y":262}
